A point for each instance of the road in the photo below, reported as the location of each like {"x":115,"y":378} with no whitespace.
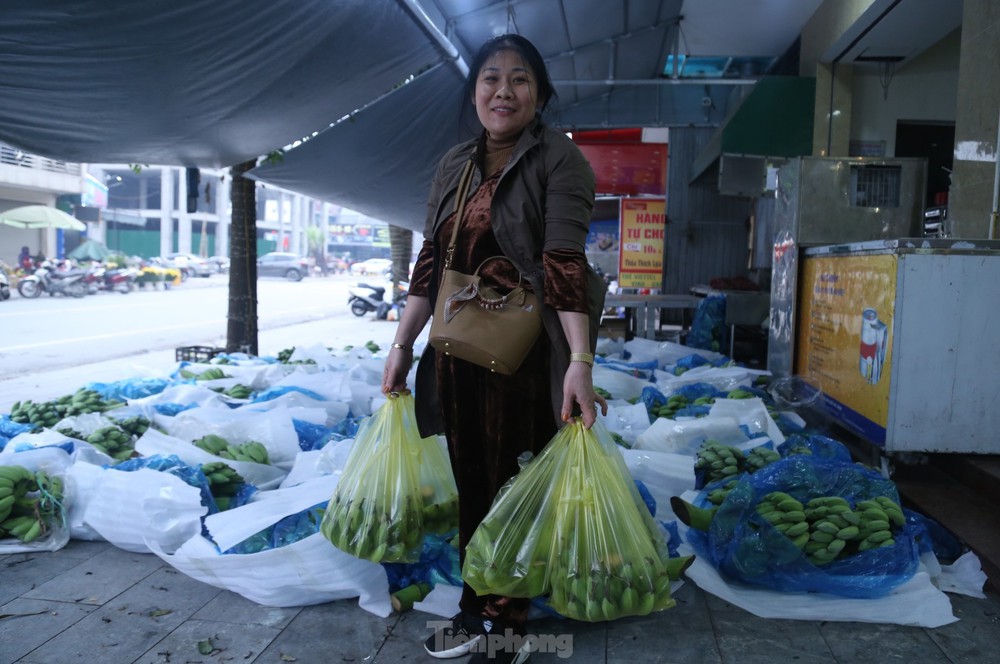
{"x":53,"y":345}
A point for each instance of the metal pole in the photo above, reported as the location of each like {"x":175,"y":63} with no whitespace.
{"x":995,"y":210}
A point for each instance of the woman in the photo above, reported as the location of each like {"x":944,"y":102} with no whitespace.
{"x":24,"y":260}
{"x":530,"y":200}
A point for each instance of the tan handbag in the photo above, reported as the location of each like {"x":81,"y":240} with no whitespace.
{"x":475,"y":323}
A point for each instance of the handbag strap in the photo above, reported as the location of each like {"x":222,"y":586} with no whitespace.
{"x":463,"y":191}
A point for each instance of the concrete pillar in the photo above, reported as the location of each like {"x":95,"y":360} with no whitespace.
{"x":832,"y":113}
{"x":977,"y":121}
{"x":166,"y":211}
{"x":295,"y":241}
{"x":183,"y":218}
{"x":223,"y":216}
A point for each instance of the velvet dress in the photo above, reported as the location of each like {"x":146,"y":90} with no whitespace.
{"x":489,"y":418}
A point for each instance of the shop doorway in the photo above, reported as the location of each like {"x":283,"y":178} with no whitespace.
{"x":935,"y":142}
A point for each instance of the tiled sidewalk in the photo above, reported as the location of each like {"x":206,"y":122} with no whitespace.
{"x":92,"y":602}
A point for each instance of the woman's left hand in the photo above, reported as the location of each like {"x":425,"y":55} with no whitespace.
{"x":578,"y":389}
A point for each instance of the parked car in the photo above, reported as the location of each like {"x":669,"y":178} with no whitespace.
{"x":193,"y":266}
{"x":375,"y":266}
{"x":282,"y":264}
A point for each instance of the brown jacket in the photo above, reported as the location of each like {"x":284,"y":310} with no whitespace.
{"x":543,"y":202}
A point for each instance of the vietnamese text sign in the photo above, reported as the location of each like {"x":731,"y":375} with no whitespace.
{"x":640,"y":259}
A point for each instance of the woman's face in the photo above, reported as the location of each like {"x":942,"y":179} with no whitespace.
{"x":506,"y":95}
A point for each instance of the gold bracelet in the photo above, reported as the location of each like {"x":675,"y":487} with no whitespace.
{"x":586,"y":358}
{"x":402,"y":347}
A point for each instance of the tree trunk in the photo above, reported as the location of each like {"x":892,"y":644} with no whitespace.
{"x":241,"y":332}
{"x":400,"y":249}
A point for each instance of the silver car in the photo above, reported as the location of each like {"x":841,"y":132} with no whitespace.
{"x":281,"y":264}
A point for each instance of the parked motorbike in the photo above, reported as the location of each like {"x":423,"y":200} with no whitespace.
{"x":116,"y":280}
{"x":365,"y":297}
{"x":4,"y":284}
{"x":46,"y":279}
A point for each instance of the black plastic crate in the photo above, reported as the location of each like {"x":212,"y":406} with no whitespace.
{"x":197,"y":353}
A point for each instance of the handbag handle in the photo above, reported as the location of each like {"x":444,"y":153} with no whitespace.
{"x":498,"y":302}
{"x":463,"y":191}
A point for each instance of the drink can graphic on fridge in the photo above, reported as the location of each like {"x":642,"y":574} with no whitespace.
{"x":873,"y":341}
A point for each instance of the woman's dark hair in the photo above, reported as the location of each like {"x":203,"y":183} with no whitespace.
{"x":527,"y":51}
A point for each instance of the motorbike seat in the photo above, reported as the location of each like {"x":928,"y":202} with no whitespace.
{"x":56,"y":274}
{"x":378,"y":291}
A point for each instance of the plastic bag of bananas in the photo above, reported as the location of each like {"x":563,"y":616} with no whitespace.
{"x":33,"y":500}
{"x":806,"y":524}
{"x":395,"y":488}
{"x":573,"y":525}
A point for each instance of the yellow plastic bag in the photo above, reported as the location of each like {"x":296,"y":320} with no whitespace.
{"x":509,"y":552}
{"x":395,"y":487}
{"x":573,"y":525}
{"x":610,"y":559}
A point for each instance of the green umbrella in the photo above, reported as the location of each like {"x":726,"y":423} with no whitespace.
{"x":40,"y":216}
{"x":91,"y":250}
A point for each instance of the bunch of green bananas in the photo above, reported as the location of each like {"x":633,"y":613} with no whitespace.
{"x":440,"y":513}
{"x":113,"y":441}
{"x":829,"y":528}
{"x":718,"y":495}
{"x":28,"y":501}
{"x":759,"y":457}
{"x":676,"y":402}
{"x":251,"y":450}
{"x":718,"y":461}
{"x":223,"y":482}
{"x":136,"y":425}
{"x":371,"y":531}
{"x":84,"y":401}
{"x":43,"y":414}
{"x":740,"y":393}
{"x":213,"y":373}
{"x":239,"y":391}
{"x":612,"y":590}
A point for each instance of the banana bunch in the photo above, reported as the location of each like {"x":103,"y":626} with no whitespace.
{"x":875,"y":514}
{"x":223,"y":482}
{"x":113,"y":441}
{"x":136,"y":425}
{"x":84,"y":401}
{"x":372,"y":532}
{"x":43,"y":414}
{"x":239,"y":391}
{"x":718,"y":495}
{"x":251,"y":450}
{"x":28,"y":502}
{"x":827,"y":528}
{"x":213,"y":373}
{"x":740,"y":393}
{"x":759,"y":457}
{"x":439,"y":516}
{"x":70,"y":432}
{"x":612,"y":590}
{"x":678,"y":402}
{"x":718,"y":461}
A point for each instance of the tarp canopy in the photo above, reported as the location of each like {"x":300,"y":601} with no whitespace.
{"x":194,"y":83}
{"x":213,"y":84}
{"x":89,"y":250}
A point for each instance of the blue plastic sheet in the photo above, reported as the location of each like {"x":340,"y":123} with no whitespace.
{"x":637,"y":369}
{"x":172,"y":464}
{"x":310,"y":434}
{"x":172,"y":409}
{"x":438,"y":564}
{"x":275,"y":392}
{"x":743,"y":546}
{"x":133,"y":388}
{"x":708,"y":325}
{"x":816,"y":445}
{"x":9,"y":429}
